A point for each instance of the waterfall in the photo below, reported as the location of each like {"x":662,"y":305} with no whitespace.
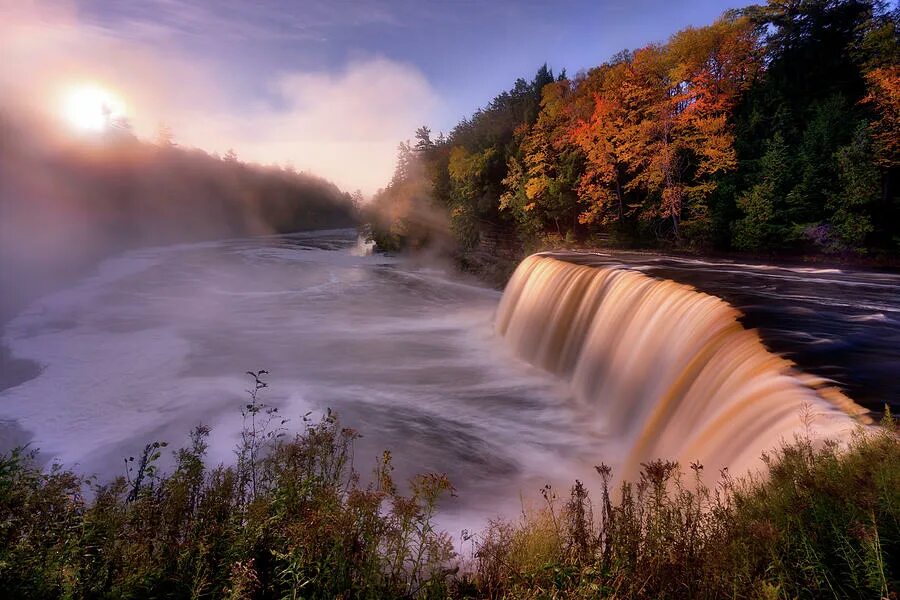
{"x":667,"y":370}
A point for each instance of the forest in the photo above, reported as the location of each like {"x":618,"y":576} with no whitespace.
{"x":774,"y":130}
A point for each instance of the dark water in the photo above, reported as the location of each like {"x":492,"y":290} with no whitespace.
{"x":840,"y":324}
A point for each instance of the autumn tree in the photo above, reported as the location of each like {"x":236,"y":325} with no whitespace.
{"x":712,"y":67}
{"x":602,"y":136}
{"x":775,"y":128}
{"x":884,"y":96}
{"x":543,"y":174}
{"x":658,"y":136}
{"x":478,"y":162}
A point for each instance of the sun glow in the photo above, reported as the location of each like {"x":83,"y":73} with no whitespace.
{"x":92,"y":108}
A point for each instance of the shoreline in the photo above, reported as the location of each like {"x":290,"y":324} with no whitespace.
{"x":493,"y":263}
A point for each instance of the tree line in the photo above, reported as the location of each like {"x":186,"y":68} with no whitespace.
{"x":774,"y":129}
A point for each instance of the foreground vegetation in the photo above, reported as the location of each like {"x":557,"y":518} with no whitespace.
{"x":773,"y":129}
{"x":292,"y":519}
{"x":824,"y":523}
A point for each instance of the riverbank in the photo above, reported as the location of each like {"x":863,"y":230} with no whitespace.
{"x":495,"y":259}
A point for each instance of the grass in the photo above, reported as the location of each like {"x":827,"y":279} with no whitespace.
{"x":823,"y":523}
{"x":291,"y":519}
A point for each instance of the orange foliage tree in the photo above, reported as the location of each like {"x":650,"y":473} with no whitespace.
{"x":884,"y":96}
{"x":659,"y":128}
{"x":540,"y":186}
{"x":601,"y":136}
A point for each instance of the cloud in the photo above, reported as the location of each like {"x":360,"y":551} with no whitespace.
{"x":342,"y":124}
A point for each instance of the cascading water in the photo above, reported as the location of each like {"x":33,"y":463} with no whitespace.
{"x":666,"y":369}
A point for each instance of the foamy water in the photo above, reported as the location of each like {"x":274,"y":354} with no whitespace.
{"x":158,"y":340}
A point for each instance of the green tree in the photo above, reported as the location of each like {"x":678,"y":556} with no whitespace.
{"x":759,"y":228}
{"x":859,"y":189}
{"x":423,"y":140}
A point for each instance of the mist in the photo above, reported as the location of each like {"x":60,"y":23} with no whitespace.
{"x":158,"y":175}
{"x":67,"y":201}
{"x":405,"y":216}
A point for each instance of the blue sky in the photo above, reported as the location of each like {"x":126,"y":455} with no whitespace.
{"x":468,"y":50}
{"x":260,"y":75}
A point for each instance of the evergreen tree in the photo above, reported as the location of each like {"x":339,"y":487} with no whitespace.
{"x":759,"y":227}
{"x":423,"y":140}
{"x":859,"y":189}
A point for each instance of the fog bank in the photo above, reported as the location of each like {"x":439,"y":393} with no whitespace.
{"x":67,"y":201}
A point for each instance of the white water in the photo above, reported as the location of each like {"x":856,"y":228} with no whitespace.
{"x":667,"y":370}
{"x":158,"y":340}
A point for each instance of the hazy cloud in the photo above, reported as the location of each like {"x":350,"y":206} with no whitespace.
{"x":344,"y":125}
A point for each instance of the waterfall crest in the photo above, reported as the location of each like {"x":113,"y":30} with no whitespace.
{"x":666,"y":369}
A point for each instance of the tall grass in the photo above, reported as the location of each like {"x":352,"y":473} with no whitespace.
{"x":824,"y":522}
{"x":291,"y":519}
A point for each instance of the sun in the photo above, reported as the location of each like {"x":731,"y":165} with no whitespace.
{"x":92,"y":108}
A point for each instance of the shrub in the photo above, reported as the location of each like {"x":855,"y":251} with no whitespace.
{"x":291,"y":519}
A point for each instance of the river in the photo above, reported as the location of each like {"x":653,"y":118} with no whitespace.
{"x":159,"y":339}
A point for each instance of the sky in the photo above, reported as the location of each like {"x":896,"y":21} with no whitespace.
{"x":327,"y":86}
